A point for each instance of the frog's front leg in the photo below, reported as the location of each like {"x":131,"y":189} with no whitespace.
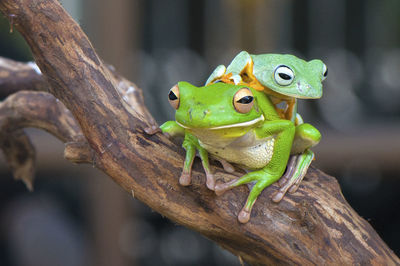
{"x":284,"y":132}
{"x":191,"y":144}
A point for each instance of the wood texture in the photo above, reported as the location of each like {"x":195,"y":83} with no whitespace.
{"x":313,"y":226}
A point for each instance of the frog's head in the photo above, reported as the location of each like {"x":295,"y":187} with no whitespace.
{"x":290,"y":76}
{"x":218,"y":107}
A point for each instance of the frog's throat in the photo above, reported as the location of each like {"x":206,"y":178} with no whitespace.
{"x":243,"y":124}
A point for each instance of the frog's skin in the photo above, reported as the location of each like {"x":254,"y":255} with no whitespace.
{"x":234,"y":123}
{"x":282,"y":78}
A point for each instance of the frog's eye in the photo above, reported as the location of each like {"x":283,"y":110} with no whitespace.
{"x":324,"y":72}
{"x":243,"y":100}
{"x":283,"y":75}
{"x":173,"y":97}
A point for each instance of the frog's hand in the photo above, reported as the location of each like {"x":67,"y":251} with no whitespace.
{"x":306,"y":136}
{"x":216,"y":74}
{"x":296,"y":170}
{"x":298,"y":120}
{"x":239,"y":63}
{"x":191,"y":144}
{"x":172,"y":129}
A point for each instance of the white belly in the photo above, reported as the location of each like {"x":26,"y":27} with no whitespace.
{"x":247,"y":151}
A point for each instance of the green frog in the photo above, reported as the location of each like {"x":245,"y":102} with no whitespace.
{"x":233,"y":123}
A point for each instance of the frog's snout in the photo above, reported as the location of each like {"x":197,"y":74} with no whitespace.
{"x":307,"y":91}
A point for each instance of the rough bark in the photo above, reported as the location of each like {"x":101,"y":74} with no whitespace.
{"x":315,"y":225}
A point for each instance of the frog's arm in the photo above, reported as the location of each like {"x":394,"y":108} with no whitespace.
{"x":172,"y":129}
{"x":284,"y":131}
{"x":216,"y":74}
{"x":239,"y":63}
{"x":191,"y":145}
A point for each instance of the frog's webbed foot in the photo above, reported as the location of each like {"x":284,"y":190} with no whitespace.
{"x":296,"y":170}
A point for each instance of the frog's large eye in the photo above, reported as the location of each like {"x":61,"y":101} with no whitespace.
{"x":324,"y":72}
{"x":283,"y":75}
{"x":243,"y":100}
{"x":173,"y":97}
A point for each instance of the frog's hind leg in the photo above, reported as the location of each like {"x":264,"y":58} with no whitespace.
{"x":245,"y":212}
{"x":306,"y":136}
{"x":222,"y":188}
{"x":297,"y":169}
{"x":261,"y":180}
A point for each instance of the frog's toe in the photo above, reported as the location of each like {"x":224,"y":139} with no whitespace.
{"x":151,"y":130}
{"x":222,"y":187}
{"x":210,"y":181}
{"x":289,"y":171}
{"x":227,"y":166}
{"x":294,"y":188}
{"x":244,"y":215}
{"x":278,"y":196}
{"x":185,"y":179}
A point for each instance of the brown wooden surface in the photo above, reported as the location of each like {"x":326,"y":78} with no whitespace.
{"x":313,"y":226}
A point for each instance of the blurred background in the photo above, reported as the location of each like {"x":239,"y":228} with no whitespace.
{"x":78,"y":216}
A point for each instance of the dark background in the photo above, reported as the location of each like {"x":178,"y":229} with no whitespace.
{"x":78,"y":216}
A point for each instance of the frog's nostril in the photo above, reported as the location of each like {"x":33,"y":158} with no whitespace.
{"x":206,"y":112}
{"x":299,"y":88}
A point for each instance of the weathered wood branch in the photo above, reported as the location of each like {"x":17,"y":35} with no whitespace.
{"x":40,"y":110}
{"x":16,"y":76}
{"x":20,"y":156}
{"x":313,"y":226}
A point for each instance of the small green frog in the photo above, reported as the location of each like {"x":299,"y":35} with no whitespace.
{"x":234,"y":123}
{"x":283,"y":78}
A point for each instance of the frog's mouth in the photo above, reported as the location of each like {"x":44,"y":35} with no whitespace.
{"x":242,"y":124}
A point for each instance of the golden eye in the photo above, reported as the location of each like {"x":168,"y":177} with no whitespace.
{"x":173,"y":96}
{"x":243,"y":100}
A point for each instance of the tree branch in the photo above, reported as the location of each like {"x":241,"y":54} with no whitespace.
{"x":20,"y":156}
{"x":16,"y":76}
{"x":313,"y":226}
{"x":40,"y":110}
